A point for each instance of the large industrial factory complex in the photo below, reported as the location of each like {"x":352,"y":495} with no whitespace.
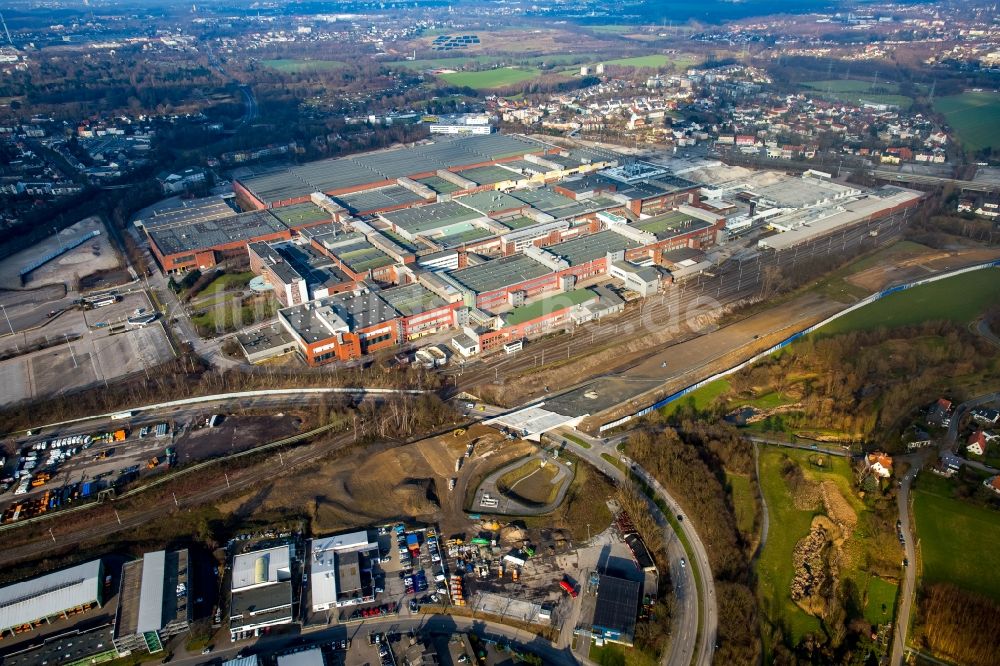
{"x":477,"y":234}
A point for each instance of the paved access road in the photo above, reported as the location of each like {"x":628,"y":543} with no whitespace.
{"x":358,"y":633}
{"x":686,"y":644}
{"x":909,"y":572}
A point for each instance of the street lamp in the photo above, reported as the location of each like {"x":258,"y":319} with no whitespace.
{"x":2,"y":307}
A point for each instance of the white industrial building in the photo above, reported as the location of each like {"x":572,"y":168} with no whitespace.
{"x":52,"y":596}
{"x":340,"y":572}
{"x":261,"y":591}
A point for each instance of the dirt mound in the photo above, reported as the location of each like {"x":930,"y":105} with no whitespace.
{"x":416,"y":497}
{"x":816,"y":567}
{"x":512,"y":535}
{"x":839,"y":509}
{"x":807,"y":496}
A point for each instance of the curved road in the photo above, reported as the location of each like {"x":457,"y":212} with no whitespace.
{"x":687,"y":645}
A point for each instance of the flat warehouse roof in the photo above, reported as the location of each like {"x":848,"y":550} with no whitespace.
{"x":422,"y":219}
{"x":499,"y":273}
{"x":298,"y":214}
{"x":671,"y":224}
{"x":488,"y":175}
{"x":259,"y":605}
{"x":412,"y":299}
{"x":438,"y":184}
{"x":544,"y":199}
{"x":361,"y":256}
{"x":585,"y":249}
{"x":490,"y":202}
{"x":213,"y":233}
{"x":385,"y":165}
{"x":818,"y":222}
{"x":50,"y":594}
{"x":617,"y":604}
{"x":549,"y":305}
{"x":320,"y":319}
{"x":377,"y":199}
{"x":187,"y":212}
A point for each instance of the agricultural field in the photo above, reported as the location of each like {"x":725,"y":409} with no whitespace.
{"x":656,"y":61}
{"x":805,"y":491}
{"x":949,"y":530}
{"x":959,"y":299}
{"x":455,"y":62}
{"x":291,"y":66}
{"x":492,"y":78}
{"x":974,"y":116}
{"x":858,"y":92}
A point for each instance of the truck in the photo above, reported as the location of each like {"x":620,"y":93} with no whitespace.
{"x":568,"y":589}
{"x":119,"y":435}
{"x":121,"y":416}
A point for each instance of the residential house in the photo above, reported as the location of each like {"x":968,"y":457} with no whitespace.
{"x":985,"y":416}
{"x":939,"y":413}
{"x":993,"y":483}
{"x":880,"y":464}
{"x":977,"y":443}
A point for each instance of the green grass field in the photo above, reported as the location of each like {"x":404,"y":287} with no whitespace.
{"x":881,"y":600}
{"x":856,"y":91}
{"x":492,"y":78}
{"x":457,"y":62}
{"x":788,"y":525}
{"x":957,"y":539}
{"x":611,"y":654}
{"x":835,"y":285}
{"x":290,"y":66}
{"x":656,"y":60}
{"x":959,"y":299}
{"x":702,"y":398}
{"x":975,"y":116}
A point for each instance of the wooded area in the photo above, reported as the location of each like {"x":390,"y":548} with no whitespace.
{"x":691,"y":463}
{"x":959,"y":625}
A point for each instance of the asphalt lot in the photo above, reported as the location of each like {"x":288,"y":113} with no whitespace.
{"x":96,"y":357}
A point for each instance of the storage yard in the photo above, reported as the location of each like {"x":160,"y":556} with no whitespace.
{"x":52,"y":472}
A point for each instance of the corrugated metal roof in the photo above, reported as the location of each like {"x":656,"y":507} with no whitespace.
{"x":151,"y":594}
{"x":50,"y":594}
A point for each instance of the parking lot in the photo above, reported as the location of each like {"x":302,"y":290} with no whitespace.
{"x":77,"y":464}
{"x":411,"y":570}
{"x":99,"y":355}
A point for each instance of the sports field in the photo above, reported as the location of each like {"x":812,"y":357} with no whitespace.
{"x":975,"y":117}
{"x":959,"y":299}
{"x":856,"y":91}
{"x":957,"y":539}
{"x":290,"y":66}
{"x":492,"y":78}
